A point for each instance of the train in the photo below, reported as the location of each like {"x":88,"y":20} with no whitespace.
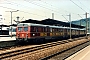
{"x":12,"y":31}
{"x":4,"y":30}
{"x":28,"y":32}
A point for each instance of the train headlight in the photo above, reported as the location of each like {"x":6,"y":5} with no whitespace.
{"x":33,"y":34}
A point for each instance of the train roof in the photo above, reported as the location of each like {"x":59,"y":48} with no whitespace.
{"x":31,"y":24}
{"x":52,"y":22}
{"x":65,"y":27}
{"x":41,"y":25}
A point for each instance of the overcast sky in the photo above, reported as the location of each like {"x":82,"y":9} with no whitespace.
{"x":42,"y":9}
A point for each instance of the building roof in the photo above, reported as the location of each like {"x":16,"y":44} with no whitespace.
{"x":52,"y":22}
{"x":31,"y":21}
{"x":60,"y":23}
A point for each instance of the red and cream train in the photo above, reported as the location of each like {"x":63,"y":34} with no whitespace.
{"x":35,"y":32}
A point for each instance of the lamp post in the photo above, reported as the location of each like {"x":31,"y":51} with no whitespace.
{"x":11,"y":19}
{"x":86,"y":24}
{"x":17,"y":19}
{"x":70,"y":24}
{"x":52,"y":15}
{"x":89,"y":26}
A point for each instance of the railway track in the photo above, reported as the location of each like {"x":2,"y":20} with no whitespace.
{"x":13,"y":54}
{"x":26,"y":50}
{"x":8,"y":45}
{"x":67,"y":53}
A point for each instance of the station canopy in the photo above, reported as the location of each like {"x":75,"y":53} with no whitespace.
{"x":13,"y":25}
{"x":52,"y":22}
{"x":4,"y":25}
{"x":1,"y":26}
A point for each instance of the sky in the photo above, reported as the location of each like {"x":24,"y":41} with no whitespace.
{"x":43,"y":9}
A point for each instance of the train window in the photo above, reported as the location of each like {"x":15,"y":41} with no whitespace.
{"x":36,"y":29}
{"x":25,"y":25}
{"x":45,"y":29}
{"x":50,"y":29}
{"x":32,"y":29}
{"x":25,"y":28}
{"x":42,"y":29}
{"x":14,"y":30}
{"x":0,"y":32}
{"x":61,"y":30}
{"x":19,"y":28}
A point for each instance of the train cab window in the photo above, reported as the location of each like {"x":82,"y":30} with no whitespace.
{"x":19,"y":28}
{"x":25,"y":28}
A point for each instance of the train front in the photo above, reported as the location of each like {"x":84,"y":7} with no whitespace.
{"x":22,"y":32}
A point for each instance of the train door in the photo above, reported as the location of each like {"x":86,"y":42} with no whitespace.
{"x":48,"y":31}
{"x":68,"y":32}
{"x":65,"y":32}
{"x":61,"y":32}
{"x":34,"y":31}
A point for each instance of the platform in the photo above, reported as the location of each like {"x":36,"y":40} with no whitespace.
{"x":83,"y":54}
{"x":7,"y":38}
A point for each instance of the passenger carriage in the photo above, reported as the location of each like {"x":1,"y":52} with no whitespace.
{"x":4,"y":30}
{"x":12,"y":31}
{"x":37,"y":32}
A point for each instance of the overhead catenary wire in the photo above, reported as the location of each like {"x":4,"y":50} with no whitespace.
{"x":54,"y":6}
{"x":21,"y":11}
{"x":66,"y":18}
{"x":42,"y":6}
{"x":58,"y":7}
{"x":78,"y":6}
{"x":21,"y":5}
{"x":79,"y":16}
{"x":84,"y":5}
{"x":13,"y":3}
{"x":37,"y":4}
